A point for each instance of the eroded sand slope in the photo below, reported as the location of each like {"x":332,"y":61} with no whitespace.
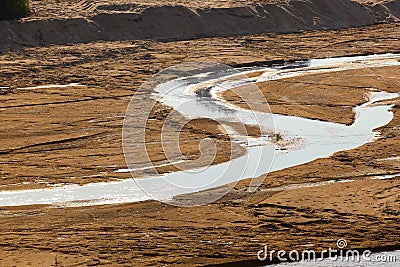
{"x":179,"y":22}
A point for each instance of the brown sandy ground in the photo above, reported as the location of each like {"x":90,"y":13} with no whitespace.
{"x":365,"y":212}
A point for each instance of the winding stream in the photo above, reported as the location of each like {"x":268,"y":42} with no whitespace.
{"x":311,"y":139}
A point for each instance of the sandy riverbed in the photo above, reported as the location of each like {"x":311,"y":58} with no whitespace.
{"x":43,"y":142}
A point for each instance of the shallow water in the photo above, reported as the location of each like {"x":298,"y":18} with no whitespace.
{"x":50,"y":86}
{"x":306,"y":139}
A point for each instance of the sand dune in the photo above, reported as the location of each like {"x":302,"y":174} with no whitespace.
{"x":124,"y":22}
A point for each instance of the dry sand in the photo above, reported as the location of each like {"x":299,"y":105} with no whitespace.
{"x":43,"y":142}
{"x":66,"y":24}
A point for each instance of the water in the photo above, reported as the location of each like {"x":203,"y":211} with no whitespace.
{"x":306,"y":139}
{"x":50,"y":86}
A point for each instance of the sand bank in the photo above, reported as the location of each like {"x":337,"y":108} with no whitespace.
{"x":182,"y":22}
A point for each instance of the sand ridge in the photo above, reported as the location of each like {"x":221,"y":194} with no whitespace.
{"x":182,"y":22}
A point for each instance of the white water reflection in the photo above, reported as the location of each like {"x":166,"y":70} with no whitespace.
{"x":50,"y":86}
